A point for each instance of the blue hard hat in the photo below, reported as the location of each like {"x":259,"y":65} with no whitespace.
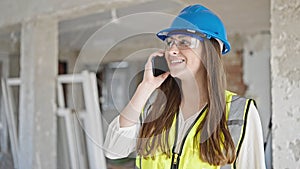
{"x":199,"y":19}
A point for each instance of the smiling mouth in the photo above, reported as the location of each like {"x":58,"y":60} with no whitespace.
{"x":177,"y":61}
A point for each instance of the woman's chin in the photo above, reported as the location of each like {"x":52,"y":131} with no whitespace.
{"x":183,"y":74}
{"x":177,"y":74}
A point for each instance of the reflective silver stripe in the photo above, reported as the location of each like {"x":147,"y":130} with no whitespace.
{"x":236,"y":120}
{"x":145,"y":112}
{"x":143,"y":116}
{"x":227,"y":166}
{"x":148,"y":106}
{"x":236,"y":117}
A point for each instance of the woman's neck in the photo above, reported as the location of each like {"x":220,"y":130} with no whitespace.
{"x":194,"y":95}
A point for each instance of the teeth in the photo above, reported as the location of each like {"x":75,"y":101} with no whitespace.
{"x":177,"y":61}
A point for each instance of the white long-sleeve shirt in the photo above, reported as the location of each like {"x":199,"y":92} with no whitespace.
{"x":120,"y":142}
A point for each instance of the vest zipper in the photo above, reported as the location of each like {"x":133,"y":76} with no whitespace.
{"x":175,"y":161}
{"x":176,"y":156}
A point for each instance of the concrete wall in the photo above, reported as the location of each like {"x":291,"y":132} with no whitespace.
{"x":257,"y":75}
{"x":256,"y":66}
{"x":285,"y":67}
{"x":15,"y":11}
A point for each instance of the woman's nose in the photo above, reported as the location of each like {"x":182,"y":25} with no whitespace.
{"x":173,"y":51}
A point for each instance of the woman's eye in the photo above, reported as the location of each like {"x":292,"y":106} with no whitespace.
{"x":168,"y":41}
{"x":185,"y":43}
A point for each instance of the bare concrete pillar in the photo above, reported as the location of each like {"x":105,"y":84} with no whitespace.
{"x":37,"y":130}
{"x":285,"y":70}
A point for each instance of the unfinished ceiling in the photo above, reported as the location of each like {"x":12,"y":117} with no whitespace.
{"x":238,"y":16}
{"x":243,"y":17}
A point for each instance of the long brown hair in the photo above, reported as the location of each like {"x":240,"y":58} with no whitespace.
{"x":215,"y":143}
{"x":167,"y":103}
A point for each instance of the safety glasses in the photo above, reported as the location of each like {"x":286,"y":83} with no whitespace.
{"x":182,"y":42}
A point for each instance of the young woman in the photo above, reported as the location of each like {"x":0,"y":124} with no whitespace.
{"x":185,"y":118}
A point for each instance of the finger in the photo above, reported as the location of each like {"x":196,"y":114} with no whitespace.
{"x":158,"y":53}
{"x":148,"y":69}
{"x":148,"y":65}
{"x":164,"y":76}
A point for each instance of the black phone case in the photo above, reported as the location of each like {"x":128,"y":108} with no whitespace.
{"x":159,"y":65}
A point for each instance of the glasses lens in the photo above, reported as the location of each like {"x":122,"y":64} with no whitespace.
{"x":169,"y":42}
{"x":182,"y":42}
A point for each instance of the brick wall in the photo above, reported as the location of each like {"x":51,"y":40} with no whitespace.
{"x":233,"y":65}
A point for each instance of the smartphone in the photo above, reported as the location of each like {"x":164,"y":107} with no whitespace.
{"x":159,"y":65}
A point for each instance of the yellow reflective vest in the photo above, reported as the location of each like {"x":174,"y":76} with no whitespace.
{"x":188,"y":156}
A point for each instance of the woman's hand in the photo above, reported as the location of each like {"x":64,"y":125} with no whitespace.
{"x":131,"y":113}
{"x":149,"y":79}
